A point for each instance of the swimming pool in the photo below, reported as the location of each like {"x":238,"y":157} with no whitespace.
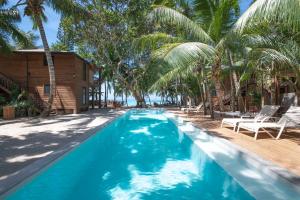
{"x":140,"y":155}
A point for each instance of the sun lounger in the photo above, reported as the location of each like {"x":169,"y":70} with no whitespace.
{"x":197,"y":109}
{"x":266,"y":112}
{"x":291,"y":119}
{"x":236,"y":114}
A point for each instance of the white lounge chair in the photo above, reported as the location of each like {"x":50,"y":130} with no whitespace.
{"x":291,"y":119}
{"x":191,"y":109}
{"x":265,"y":113}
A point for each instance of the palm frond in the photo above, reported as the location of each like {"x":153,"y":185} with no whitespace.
{"x":68,"y":8}
{"x":284,"y":11}
{"x":153,"y":41}
{"x":187,"y":53}
{"x":170,"y":16}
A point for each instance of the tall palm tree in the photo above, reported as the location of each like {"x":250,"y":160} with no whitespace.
{"x":8,"y":29}
{"x":200,"y":36}
{"x":35,"y":10}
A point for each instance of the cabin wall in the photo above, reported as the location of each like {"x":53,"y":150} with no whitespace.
{"x":15,"y":67}
{"x":80,"y":84}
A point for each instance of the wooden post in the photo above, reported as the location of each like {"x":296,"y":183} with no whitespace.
{"x":93,"y":97}
{"x":27,"y":74}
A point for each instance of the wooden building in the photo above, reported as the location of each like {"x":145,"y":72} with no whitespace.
{"x":28,"y":69}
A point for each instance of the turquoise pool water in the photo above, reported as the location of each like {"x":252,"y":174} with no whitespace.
{"x":141,"y":155}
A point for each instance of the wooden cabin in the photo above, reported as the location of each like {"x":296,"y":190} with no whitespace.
{"x":28,"y":69}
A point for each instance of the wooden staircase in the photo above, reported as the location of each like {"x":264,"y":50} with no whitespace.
{"x":7,"y":85}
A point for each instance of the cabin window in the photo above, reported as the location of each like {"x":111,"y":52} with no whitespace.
{"x":47,"y":89}
{"x":84,"y":71}
{"x":84,"y":95}
{"x":45,"y":60}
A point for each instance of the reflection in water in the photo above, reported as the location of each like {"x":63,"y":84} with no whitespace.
{"x":172,"y":173}
{"x":143,"y":130}
{"x":140,"y":156}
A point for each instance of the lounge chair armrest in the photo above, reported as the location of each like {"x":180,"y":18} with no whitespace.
{"x":275,"y":119}
{"x":246,"y":116}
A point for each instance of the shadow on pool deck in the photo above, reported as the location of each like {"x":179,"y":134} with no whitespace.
{"x":23,"y":142}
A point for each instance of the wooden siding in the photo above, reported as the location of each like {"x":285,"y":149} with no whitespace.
{"x":68,"y":71}
{"x":80,"y":83}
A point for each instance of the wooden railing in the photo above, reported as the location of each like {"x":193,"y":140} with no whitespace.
{"x":6,"y":83}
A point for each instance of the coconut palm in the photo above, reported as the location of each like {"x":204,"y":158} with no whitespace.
{"x":8,"y":29}
{"x":285,"y":12}
{"x":35,"y":10}
{"x":276,"y":49}
{"x":199,"y":36}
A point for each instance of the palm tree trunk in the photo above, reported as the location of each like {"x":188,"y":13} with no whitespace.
{"x":126,"y":97}
{"x":216,"y":70}
{"x":138,"y":97}
{"x":51,"y":68}
{"x":114,"y":88}
{"x":205,"y":97}
{"x":232,"y":85}
{"x":100,"y":93}
{"x":149,"y":99}
{"x":211,"y":106}
{"x":202,"y":94}
{"x":93,"y":97}
{"x":100,"y":88}
{"x":105,"y":94}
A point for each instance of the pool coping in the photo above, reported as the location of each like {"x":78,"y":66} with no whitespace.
{"x":23,"y":175}
{"x":19,"y":177}
{"x":249,"y":159}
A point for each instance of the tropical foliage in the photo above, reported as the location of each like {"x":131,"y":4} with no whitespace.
{"x":199,"y":51}
{"x":8,"y":28}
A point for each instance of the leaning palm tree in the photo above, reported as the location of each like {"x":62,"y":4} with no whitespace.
{"x":8,"y":28}
{"x":35,"y":10}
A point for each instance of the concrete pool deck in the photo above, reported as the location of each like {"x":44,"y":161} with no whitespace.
{"x":283,"y":152}
{"x":26,"y":141}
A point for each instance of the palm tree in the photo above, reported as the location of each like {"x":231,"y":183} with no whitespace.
{"x":201,"y":37}
{"x":8,"y":29}
{"x":277,"y":46}
{"x":35,"y":10}
{"x":285,"y":12}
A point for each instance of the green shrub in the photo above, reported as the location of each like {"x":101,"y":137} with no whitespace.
{"x":2,"y":100}
{"x":21,"y":102}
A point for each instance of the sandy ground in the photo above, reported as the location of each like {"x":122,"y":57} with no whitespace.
{"x":24,"y":141}
{"x":284,"y":152}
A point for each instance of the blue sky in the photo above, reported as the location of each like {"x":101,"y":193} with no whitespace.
{"x":51,"y":26}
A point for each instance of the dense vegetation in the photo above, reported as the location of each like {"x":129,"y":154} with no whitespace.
{"x":200,"y":51}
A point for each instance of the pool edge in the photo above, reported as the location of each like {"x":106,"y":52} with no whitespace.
{"x":269,"y":168}
{"x":19,"y":177}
